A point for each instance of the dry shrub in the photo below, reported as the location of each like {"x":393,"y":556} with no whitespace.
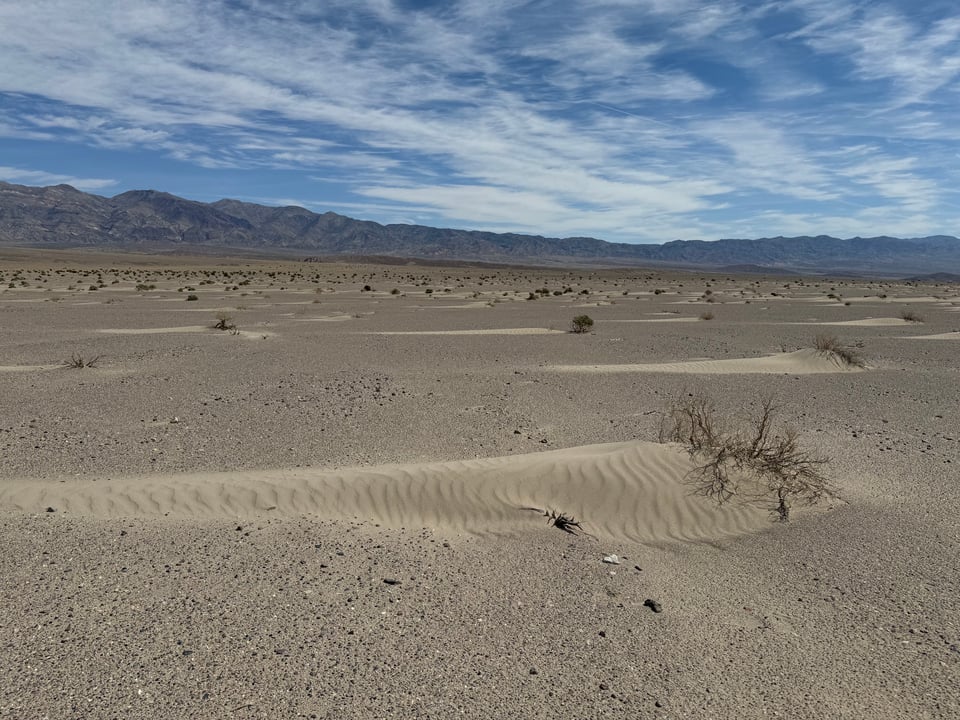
{"x":829,"y":345}
{"x":581,"y":324}
{"x":911,"y":316}
{"x":78,"y":362}
{"x":762,"y":460}
{"x":224,"y":321}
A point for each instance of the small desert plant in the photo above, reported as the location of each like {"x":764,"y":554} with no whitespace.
{"x":581,"y":324}
{"x":830,"y":346}
{"x":911,"y":316}
{"x":191,"y":298}
{"x":78,"y":361}
{"x":224,"y":321}
{"x":564,"y":522}
{"x":707,"y":316}
{"x":761,"y":460}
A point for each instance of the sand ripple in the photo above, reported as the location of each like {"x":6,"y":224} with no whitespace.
{"x":632,"y":491}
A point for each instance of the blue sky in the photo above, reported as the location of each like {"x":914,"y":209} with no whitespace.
{"x":627,"y":120}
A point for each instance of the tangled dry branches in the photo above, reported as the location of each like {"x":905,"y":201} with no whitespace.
{"x":763,"y":459}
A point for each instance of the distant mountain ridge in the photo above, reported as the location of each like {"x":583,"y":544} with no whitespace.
{"x":151,"y":221}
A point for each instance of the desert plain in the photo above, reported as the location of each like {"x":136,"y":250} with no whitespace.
{"x":338,"y":504}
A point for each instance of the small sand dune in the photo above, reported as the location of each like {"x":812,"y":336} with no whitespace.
{"x":801,"y":362}
{"x":27,"y":368}
{"x":674,"y":319}
{"x":248,"y":334}
{"x":154,"y":331}
{"x":487,"y":331}
{"x":631,"y":491}
{"x":866,"y":322}
{"x":955,"y":335}
{"x":326,"y":318}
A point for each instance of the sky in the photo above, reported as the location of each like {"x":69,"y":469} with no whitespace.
{"x":626,"y":120}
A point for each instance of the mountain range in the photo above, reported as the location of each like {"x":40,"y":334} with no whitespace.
{"x":61,"y":216}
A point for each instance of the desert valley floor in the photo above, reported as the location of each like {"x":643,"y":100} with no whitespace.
{"x":338,"y":506}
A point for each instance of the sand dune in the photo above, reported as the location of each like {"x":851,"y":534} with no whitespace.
{"x":248,"y":334}
{"x":656,"y":320}
{"x":627,"y":491}
{"x":27,"y":368}
{"x":955,"y":335}
{"x":154,"y":331}
{"x":326,"y":318}
{"x":487,"y":331}
{"x":866,"y":322}
{"x":801,"y":362}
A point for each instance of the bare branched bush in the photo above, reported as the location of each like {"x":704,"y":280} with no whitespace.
{"x":78,"y":362}
{"x":830,"y":346}
{"x":911,"y":316}
{"x":224,"y":321}
{"x":761,"y":460}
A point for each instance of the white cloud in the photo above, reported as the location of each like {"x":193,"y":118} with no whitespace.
{"x":609,"y":117}
{"x":39,"y":177}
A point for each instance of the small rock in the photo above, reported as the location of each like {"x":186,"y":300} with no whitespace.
{"x":50,"y":509}
{"x":611,"y":559}
{"x":122,"y":533}
{"x":534,"y":671}
{"x":174,"y":420}
{"x":638,"y":568}
{"x":604,"y":686}
{"x":391,"y":581}
{"x":603,"y":633}
{"x":653,"y":605}
{"x":658,"y":704}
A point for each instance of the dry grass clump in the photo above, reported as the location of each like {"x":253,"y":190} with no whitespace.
{"x":830,"y":345}
{"x":78,"y":362}
{"x":911,"y":316}
{"x":761,"y":460}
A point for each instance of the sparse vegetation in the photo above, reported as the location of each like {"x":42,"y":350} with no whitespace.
{"x":761,"y":461}
{"x":191,"y":298}
{"x":911,"y":316}
{"x":706,"y":316}
{"x":224,"y":321}
{"x":581,"y":324}
{"x":78,"y":362}
{"x":564,"y":522}
{"x":831,"y":346}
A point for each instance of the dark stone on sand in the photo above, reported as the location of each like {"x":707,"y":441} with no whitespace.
{"x":653,"y":605}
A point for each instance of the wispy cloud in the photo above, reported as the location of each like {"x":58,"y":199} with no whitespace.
{"x":631,"y":120}
{"x":23,"y":176}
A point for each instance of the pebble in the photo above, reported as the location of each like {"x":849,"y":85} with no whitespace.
{"x":611,"y":559}
{"x":391,"y":581}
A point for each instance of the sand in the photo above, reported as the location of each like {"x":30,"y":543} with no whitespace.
{"x":348,"y":520}
{"x":800,"y":362}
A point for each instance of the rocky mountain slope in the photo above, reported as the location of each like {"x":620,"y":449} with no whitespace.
{"x":148,"y":220}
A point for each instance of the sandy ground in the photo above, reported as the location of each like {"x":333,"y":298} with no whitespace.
{"x":340,"y":508}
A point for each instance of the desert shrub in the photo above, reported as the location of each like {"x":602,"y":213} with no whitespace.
{"x":224,"y":321}
{"x":759,"y":461}
{"x":706,"y":316}
{"x":911,"y":316}
{"x":78,"y":361}
{"x":829,"y":345}
{"x":191,"y":298}
{"x":581,"y":324}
